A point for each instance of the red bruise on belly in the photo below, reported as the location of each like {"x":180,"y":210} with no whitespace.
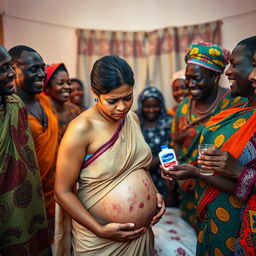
{"x":131,"y":208}
{"x":145,"y":184}
{"x":147,"y":187}
{"x":133,"y":197}
{"x":116,"y":207}
{"x":141,"y":205}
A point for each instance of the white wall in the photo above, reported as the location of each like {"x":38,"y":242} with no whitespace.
{"x":54,"y":43}
{"x":49,"y":26}
{"x":126,"y":15}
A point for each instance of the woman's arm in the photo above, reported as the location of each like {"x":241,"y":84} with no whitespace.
{"x":70,"y":157}
{"x":69,"y":161}
{"x":187,"y":171}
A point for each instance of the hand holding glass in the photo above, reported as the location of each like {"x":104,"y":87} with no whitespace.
{"x":202,"y":148}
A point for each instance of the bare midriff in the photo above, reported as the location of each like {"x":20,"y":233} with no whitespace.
{"x":132,"y":201}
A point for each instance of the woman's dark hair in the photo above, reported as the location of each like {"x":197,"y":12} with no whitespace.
{"x":57,"y":70}
{"x":110,"y":72}
{"x":77,"y":81}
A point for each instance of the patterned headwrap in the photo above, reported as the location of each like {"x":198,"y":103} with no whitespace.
{"x":207,"y":55}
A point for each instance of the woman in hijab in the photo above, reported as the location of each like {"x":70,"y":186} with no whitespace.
{"x":155,"y":125}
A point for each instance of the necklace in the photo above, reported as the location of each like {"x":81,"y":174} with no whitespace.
{"x":206,"y":113}
{"x":118,"y":129}
{"x":213,"y":105}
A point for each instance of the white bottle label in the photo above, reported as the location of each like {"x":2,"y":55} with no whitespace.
{"x":167,"y":158}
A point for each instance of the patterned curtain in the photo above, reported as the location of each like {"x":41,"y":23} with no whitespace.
{"x":93,"y":44}
{"x":154,"y":56}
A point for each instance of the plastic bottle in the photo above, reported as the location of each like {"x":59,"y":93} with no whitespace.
{"x":167,"y":157}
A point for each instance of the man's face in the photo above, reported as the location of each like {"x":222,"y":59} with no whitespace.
{"x":238,"y":72}
{"x":7,"y":74}
{"x":30,"y":72}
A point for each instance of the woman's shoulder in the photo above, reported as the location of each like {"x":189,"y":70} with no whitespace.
{"x":82,"y":124}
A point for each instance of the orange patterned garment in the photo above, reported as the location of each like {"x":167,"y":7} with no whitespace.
{"x":46,"y":146}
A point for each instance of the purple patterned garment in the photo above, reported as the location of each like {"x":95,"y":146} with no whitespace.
{"x":248,"y":175}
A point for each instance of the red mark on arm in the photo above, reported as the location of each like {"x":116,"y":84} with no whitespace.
{"x":141,"y":205}
{"x":148,"y":198}
{"x":131,"y":208}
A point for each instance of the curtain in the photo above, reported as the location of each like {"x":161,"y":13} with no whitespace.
{"x":154,"y":56}
{"x":93,"y":44}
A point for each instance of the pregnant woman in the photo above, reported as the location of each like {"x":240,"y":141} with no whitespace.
{"x":104,"y":151}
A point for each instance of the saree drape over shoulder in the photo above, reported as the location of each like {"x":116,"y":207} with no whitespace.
{"x":230,"y":130}
{"x":23,"y":223}
{"x":46,"y":146}
{"x":124,"y":153}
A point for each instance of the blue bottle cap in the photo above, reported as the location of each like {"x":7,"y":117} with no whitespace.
{"x":164,"y":146}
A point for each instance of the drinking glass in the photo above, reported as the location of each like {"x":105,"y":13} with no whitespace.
{"x":202,"y":148}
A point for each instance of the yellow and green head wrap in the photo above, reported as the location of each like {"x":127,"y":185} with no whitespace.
{"x":207,"y":55}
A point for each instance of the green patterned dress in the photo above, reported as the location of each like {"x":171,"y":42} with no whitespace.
{"x":186,"y":132}
{"x":23,"y":222}
{"x":220,"y":211}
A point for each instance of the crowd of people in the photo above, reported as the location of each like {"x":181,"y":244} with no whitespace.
{"x":80,"y":180}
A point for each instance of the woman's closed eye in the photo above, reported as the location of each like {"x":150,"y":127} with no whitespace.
{"x":113,"y":101}
{"x":128,"y":98}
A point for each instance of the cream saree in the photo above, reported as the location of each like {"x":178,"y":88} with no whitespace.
{"x":124,"y":153}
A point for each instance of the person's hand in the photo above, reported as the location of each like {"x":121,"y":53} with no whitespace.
{"x":180,"y":172}
{"x":160,"y":209}
{"x":221,"y":161}
{"x":120,"y":232}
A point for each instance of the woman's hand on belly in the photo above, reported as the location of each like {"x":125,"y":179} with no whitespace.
{"x":160,"y":209}
{"x":120,"y":232}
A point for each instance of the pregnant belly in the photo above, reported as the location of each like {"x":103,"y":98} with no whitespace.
{"x":132,"y":201}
